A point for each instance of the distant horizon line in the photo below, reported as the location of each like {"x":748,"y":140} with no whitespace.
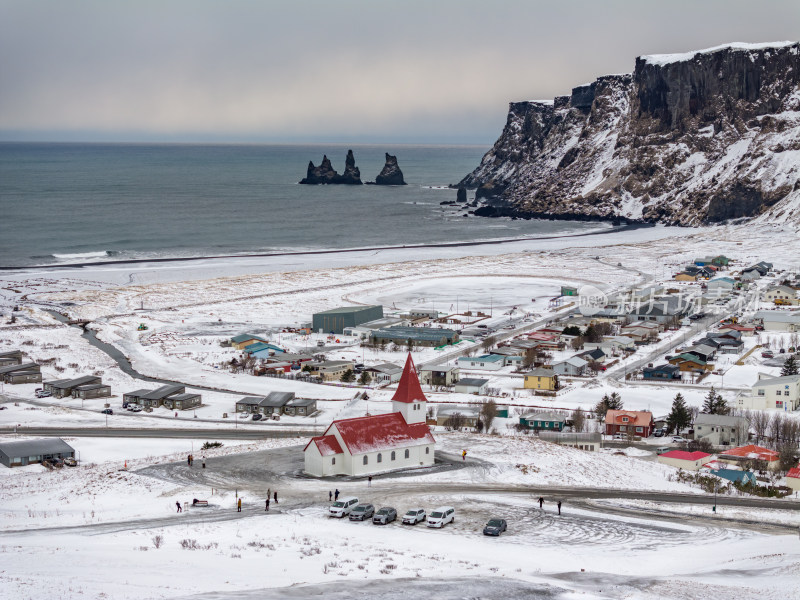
{"x":245,"y":143}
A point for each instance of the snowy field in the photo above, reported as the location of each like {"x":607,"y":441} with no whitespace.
{"x":92,"y":531}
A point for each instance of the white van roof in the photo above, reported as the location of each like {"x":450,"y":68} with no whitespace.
{"x":443,"y":509}
{"x":348,"y":499}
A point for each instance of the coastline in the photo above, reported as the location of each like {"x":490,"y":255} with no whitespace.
{"x":459,"y":244}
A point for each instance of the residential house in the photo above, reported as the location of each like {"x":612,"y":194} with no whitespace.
{"x":275,"y":403}
{"x":740,"y":329}
{"x":543,"y":421}
{"x":596,"y":355}
{"x":749,"y":275}
{"x":721,"y":284}
{"x":248,"y":404}
{"x":629,"y":422}
{"x":735,"y":476}
{"x":152,"y":398}
{"x":669,"y":372}
{"x":300,"y":407}
{"x":574,"y":367}
{"x":772,"y":393}
{"x":328,"y":370}
{"x":89,"y":386}
{"x":487,"y":362}
{"x":21,"y":373}
{"x":470,"y":385}
{"x":467,"y":415}
{"x":543,"y":379}
{"x":661,"y":310}
{"x":688,"y":461}
{"x":385,"y":372}
{"x":781,"y":294}
{"x":690,"y":363}
{"x":440,"y":375}
{"x":721,"y":430}
{"x":29,"y":452}
{"x":185,"y":401}
{"x":793,"y":479}
{"x":746,"y":454}
{"x":261,"y":347}
{"x":374,"y":444}
{"x":12,"y":357}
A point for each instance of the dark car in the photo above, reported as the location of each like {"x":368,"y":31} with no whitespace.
{"x":362,"y":512}
{"x":696,"y":316}
{"x":495,"y":527}
{"x":106,"y":411}
{"x":257,"y":416}
{"x":384,"y":515}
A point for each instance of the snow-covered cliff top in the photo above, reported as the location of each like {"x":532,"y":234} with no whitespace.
{"x":664,"y":59}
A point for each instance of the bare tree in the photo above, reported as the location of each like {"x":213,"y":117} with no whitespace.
{"x":578,"y":420}
{"x":759,"y":422}
{"x":776,"y":427}
{"x":488,"y":413}
{"x":489,"y":342}
{"x":456,"y":421}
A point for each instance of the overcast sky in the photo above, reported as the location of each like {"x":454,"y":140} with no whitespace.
{"x":330,"y":71}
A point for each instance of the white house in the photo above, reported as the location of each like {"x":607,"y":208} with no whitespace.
{"x":574,"y":366}
{"x":782,"y":293}
{"x":772,"y":393}
{"x":385,"y":372}
{"x":487,"y":362}
{"x":377,"y":443}
{"x":720,"y":284}
{"x":472,"y":386}
{"x":721,"y":430}
{"x":688,"y":461}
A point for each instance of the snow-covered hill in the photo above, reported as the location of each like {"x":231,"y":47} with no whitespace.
{"x":700,"y":137}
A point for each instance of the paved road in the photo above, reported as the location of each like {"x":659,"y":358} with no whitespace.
{"x":130,"y":432}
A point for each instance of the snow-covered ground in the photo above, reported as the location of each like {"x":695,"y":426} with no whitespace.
{"x":108,"y":517}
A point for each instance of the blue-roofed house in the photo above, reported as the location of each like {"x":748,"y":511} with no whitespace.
{"x":487,"y":362}
{"x":736,"y":476}
{"x":263,"y":346}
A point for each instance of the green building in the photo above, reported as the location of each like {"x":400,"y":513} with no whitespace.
{"x":568,"y":290}
{"x":543,"y":421}
{"x":336,"y":319}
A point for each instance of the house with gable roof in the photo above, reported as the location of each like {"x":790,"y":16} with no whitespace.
{"x":374,"y":444}
{"x":633,"y":422}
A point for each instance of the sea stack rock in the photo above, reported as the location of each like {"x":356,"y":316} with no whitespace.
{"x":461,"y":195}
{"x":391,"y":173}
{"x":325,"y":173}
{"x":351,"y":173}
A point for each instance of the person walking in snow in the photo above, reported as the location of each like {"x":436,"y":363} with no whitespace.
{"x":275,"y":496}
{"x":189,"y":460}
{"x":541,"y":502}
{"x":336,"y":494}
{"x":463,"y":455}
{"x":239,"y":505}
{"x":559,"y":507}
{"x":330,"y":496}
{"x":369,"y":481}
{"x":266,"y":508}
{"x":178,"y":504}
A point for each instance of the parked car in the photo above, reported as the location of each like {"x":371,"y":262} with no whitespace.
{"x":385,"y":515}
{"x":767,"y":354}
{"x":106,"y":411}
{"x":362,"y":512}
{"x":43,"y":393}
{"x":441,"y":516}
{"x":679,"y":440}
{"x":136,"y":408}
{"x":414,"y":516}
{"x":662,"y":450}
{"x":658,"y":432}
{"x":495,"y":527}
{"x":341,"y":508}
{"x":70,"y":462}
{"x":696,"y":316}
{"x":620,"y":436}
{"x":257,"y":416}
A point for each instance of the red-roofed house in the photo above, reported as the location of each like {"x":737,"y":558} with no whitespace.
{"x":793,"y":479}
{"x":751,"y":452}
{"x":377,"y":443}
{"x":688,"y":461}
{"x":633,"y":422}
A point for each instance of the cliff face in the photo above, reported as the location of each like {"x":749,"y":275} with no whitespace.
{"x":685,"y":139}
{"x":391,"y":173}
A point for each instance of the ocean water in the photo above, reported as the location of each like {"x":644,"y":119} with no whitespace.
{"x":86,"y":202}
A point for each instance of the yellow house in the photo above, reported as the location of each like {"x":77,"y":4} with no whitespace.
{"x":541,"y":379}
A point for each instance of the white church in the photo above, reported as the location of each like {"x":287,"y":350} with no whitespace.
{"x":377,"y":443}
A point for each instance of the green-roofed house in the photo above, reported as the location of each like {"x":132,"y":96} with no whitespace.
{"x":336,"y":319}
{"x":245,"y":339}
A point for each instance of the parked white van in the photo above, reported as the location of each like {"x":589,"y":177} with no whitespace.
{"x":441,"y":516}
{"x":341,"y":508}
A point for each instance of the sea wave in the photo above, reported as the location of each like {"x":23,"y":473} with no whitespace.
{"x":82,"y":255}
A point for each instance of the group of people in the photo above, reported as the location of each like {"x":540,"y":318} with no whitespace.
{"x":558,"y":504}
{"x":190,"y":460}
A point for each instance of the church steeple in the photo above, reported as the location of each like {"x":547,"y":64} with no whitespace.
{"x":409,"y":400}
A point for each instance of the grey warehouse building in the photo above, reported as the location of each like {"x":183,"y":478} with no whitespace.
{"x":336,"y":319}
{"x":419,"y":336}
{"x":29,"y":452}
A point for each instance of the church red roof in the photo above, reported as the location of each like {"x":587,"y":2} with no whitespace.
{"x":409,"y":389}
{"x":326,"y":444}
{"x":381,"y":432}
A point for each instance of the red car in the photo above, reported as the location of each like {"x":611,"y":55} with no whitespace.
{"x":767,"y":354}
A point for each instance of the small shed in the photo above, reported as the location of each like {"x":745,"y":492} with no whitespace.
{"x":568,"y":290}
{"x":28,"y":452}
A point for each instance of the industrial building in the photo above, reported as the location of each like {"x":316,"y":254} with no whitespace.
{"x":418,"y":336}
{"x":89,"y":386}
{"x":21,"y":373}
{"x":336,"y":319}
